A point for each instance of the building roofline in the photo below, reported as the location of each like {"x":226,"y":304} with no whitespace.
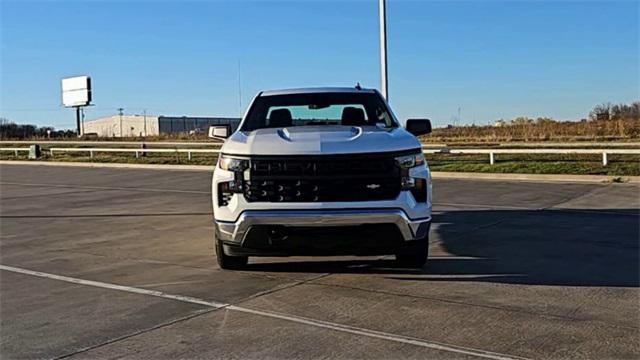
{"x":124,"y":116}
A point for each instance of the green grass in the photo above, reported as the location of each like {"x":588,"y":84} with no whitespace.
{"x":582,"y":168}
{"x":619,"y":165}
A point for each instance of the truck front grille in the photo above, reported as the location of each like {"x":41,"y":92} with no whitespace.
{"x":329,"y":178}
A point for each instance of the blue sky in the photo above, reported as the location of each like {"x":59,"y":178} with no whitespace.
{"x":494,"y":59}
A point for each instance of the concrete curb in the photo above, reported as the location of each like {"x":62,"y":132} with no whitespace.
{"x":436,"y":175}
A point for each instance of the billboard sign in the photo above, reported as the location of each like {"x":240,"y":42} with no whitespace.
{"x":76,"y":91}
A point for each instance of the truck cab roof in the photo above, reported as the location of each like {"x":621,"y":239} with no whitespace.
{"x":316,"y":90}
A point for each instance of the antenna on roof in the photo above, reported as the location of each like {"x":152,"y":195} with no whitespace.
{"x":358,"y":87}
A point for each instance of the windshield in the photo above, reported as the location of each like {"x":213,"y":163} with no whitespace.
{"x":350,"y":109}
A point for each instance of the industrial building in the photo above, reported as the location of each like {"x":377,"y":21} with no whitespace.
{"x":150,"y":125}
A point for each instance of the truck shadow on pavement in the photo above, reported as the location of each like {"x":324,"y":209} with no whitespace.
{"x":532,"y":247}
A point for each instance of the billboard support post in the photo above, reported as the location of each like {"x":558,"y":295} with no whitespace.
{"x":79,"y":130}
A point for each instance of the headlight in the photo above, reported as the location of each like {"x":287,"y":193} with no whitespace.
{"x":417,"y":186}
{"x":232,"y":164}
{"x":409,"y":161}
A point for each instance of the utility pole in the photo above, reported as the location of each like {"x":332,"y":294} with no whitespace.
{"x":384,"y":86}
{"x":144,"y":113}
{"x":120,"y":110}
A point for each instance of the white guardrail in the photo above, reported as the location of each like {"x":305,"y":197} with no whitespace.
{"x":138,"y":152}
{"x":491,"y":152}
{"x":15,"y":149}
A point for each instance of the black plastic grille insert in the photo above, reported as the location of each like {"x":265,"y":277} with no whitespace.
{"x":329,"y":178}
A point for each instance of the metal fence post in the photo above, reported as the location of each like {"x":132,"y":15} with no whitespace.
{"x":137,"y":155}
{"x":51,"y":152}
{"x":189,"y":155}
{"x":492,"y":159}
{"x":604,"y":159}
{"x":91,"y":153}
{"x":16,"y":152}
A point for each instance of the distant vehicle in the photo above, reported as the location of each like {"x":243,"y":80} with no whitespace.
{"x":196,"y":131}
{"x":321,"y":171}
{"x":90,"y":136}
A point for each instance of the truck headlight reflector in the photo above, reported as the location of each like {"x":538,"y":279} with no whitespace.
{"x":232,"y":164}
{"x":409,"y":161}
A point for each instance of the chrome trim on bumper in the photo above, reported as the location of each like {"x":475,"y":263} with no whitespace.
{"x":236,"y":231}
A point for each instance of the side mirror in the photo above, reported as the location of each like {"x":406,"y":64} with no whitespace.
{"x":219,"y":132}
{"x":418,"y":126}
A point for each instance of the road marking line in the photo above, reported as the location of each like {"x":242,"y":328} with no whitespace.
{"x":114,"y":287}
{"x":274,"y":315}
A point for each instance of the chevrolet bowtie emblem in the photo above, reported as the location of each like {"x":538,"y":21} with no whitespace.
{"x":373,"y":186}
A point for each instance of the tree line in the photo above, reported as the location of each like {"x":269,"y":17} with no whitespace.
{"x":608,"y":111}
{"x":11,"y":130}
{"x":601,"y":112}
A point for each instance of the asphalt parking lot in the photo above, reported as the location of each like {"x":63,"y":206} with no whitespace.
{"x":110,"y":263}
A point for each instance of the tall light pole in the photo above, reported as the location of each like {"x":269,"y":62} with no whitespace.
{"x":239,"y":90}
{"x":384,"y":86}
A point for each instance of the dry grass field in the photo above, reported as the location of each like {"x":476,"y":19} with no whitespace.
{"x":541,"y":130}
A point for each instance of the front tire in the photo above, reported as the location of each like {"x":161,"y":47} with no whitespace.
{"x":414,"y":255}
{"x":229,"y":262}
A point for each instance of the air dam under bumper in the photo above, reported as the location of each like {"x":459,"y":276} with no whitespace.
{"x":235,"y":232}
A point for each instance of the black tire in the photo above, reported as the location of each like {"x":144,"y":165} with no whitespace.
{"x":414,"y":255}
{"x":229,"y":262}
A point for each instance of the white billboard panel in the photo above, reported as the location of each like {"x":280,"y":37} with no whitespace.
{"x":76,"y":91}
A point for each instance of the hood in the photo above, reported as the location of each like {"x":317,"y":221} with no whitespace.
{"x":318,"y":140}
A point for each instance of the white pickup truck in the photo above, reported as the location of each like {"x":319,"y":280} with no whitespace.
{"x":321,"y":171}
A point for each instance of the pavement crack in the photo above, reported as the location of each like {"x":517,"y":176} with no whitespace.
{"x":281,"y":288}
{"x":106,"y":188}
{"x":463,"y":303}
{"x":136,"y":333}
{"x":47,"y":195}
{"x":570,"y":198}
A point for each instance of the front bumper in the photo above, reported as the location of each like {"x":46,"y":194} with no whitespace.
{"x":236,"y":232}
